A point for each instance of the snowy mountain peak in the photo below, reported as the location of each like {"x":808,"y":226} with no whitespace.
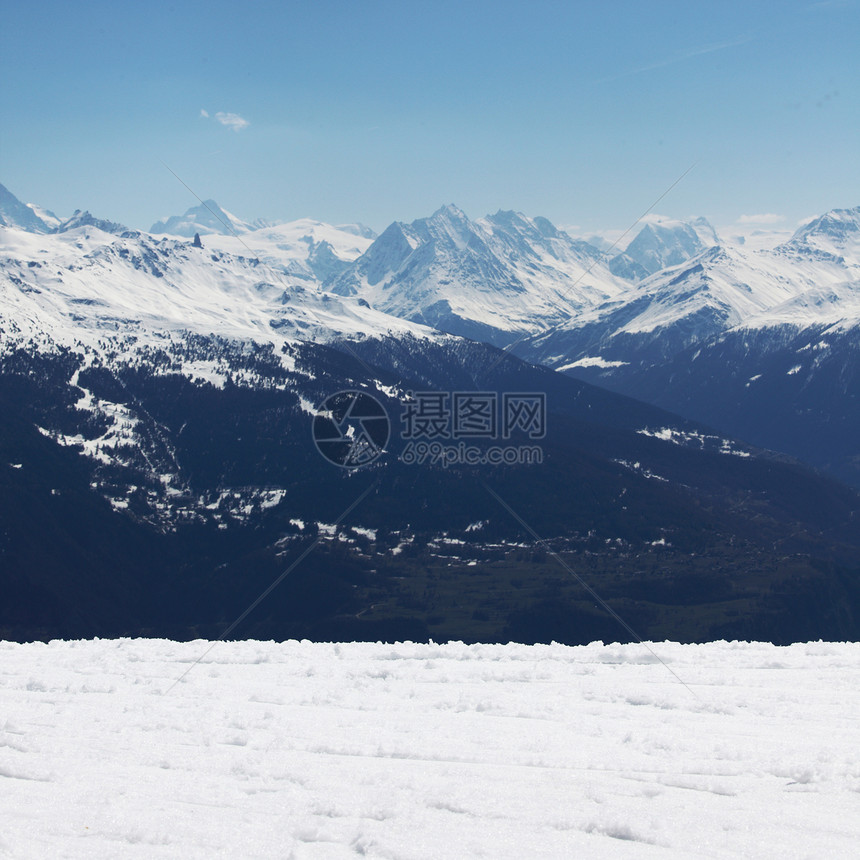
{"x":450,"y":212}
{"x":837,"y":223}
{"x":488,"y":279}
{"x":35,"y":219}
{"x":386,"y":255}
{"x":85,"y":219}
{"x":47,"y":217}
{"x":14,"y":213}
{"x":448,"y":225}
{"x":705,"y":231}
{"x":206,"y":219}
{"x":662,"y":244}
{"x":836,"y":234}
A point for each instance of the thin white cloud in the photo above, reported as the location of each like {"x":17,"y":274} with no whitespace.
{"x":679,"y":57}
{"x":232,"y":120}
{"x":204,"y":113}
{"x":762,"y":218}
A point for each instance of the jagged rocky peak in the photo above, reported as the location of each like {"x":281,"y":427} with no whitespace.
{"x":836,"y":232}
{"x":87,"y":219}
{"x":661,"y":244}
{"x":448,"y":223}
{"x":837,"y":223}
{"x":35,"y":219}
{"x":450,"y":212}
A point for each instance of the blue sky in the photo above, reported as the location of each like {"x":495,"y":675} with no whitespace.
{"x":584,"y":112}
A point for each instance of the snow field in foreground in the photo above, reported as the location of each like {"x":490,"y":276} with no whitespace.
{"x":299,"y":749}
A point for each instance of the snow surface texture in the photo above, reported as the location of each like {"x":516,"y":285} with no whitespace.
{"x":428,"y":751}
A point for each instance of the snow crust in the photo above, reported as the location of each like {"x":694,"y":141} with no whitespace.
{"x":309,"y":750}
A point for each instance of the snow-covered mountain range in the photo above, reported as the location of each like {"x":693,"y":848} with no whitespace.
{"x":84,"y":284}
{"x":809,"y":280}
{"x":157,"y":394}
{"x":493,"y":279}
{"x":85,"y":280}
{"x":763,"y":344}
{"x":710,"y":329}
